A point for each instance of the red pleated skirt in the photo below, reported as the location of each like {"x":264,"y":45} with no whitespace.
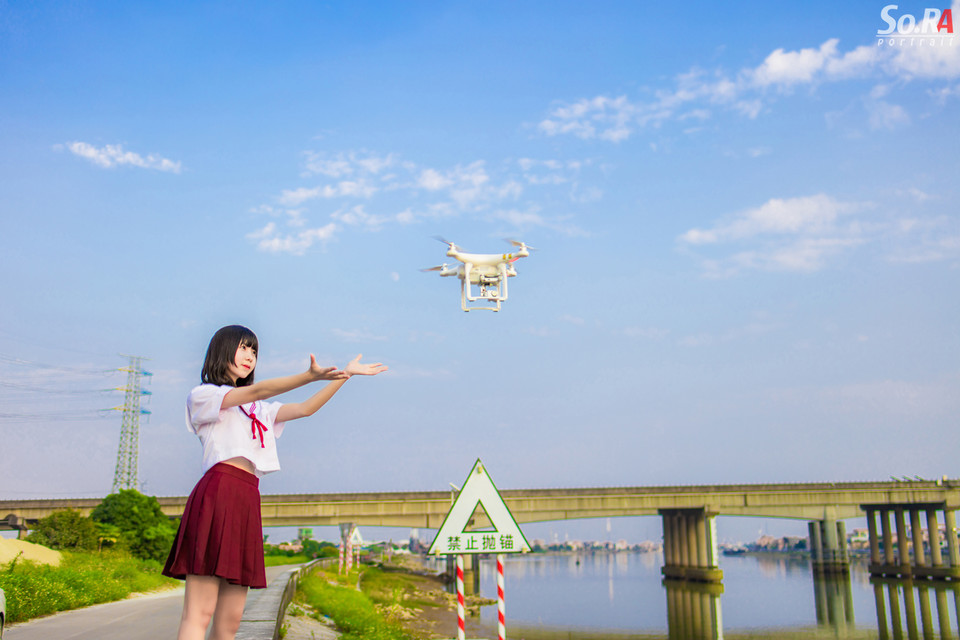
{"x":220,"y":533}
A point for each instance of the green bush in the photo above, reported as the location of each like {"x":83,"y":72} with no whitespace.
{"x":66,"y":529}
{"x":351,"y":610}
{"x":82,"y":579}
{"x":144,"y":529}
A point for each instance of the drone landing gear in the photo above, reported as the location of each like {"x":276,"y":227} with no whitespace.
{"x":488,"y":294}
{"x":492,"y":289}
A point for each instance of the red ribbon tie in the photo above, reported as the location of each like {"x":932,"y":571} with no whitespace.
{"x":256,"y":427}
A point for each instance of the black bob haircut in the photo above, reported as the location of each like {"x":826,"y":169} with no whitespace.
{"x":222,"y":353}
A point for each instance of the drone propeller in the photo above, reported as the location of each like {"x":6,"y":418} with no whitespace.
{"x":452,"y":246}
{"x":522,"y":245}
{"x":437,"y":268}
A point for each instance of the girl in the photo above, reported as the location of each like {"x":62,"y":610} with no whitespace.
{"x":219,"y":546}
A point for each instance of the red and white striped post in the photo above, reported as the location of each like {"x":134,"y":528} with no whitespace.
{"x":461,"y":628}
{"x":501,"y":613}
{"x":349,"y":552}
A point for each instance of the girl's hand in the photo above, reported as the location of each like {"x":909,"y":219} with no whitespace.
{"x":356,"y":368}
{"x":325,"y":373}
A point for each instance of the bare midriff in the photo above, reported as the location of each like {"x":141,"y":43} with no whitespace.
{"x":240,"y":463}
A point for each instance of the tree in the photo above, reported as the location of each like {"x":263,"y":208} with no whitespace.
{"x":66,"y":529}
{"x":108,"y":534}
{"x":144,"y":528}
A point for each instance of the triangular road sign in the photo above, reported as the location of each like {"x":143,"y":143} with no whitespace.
{"x":505,"y":537}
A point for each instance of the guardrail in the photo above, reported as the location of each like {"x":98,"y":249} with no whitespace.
{"x":264,"y":612}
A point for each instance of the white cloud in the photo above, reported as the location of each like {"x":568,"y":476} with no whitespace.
{"x":792,"y":234}
{"x":942,"y":94}
{"x":808,"y":215}
{"x":806,"y":254}
{"x":345,"y":188}
{"x":358,"y":217}
{"x":347,"y":164}
{"x":523,"y":221}
{"x":400,"y":192}
{"x":270,"y":240}
{"x":883,"y":115}
{"x":431,"y":180}
{"x":111,"y":155}
{"x":929,"y":249}
{"x":793,"y":67}
{"x":802,"y":235}
{"x":749,"y":90}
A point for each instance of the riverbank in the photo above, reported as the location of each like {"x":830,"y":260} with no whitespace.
{"x":403,"y":593}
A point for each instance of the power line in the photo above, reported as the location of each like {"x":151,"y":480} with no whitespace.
{"x":58,"y":416}
{"x":47,"y":391}
{"x":33,"y":391}
{"x":55,"y":367}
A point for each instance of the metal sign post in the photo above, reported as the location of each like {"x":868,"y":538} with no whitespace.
{"x":502,"y":536}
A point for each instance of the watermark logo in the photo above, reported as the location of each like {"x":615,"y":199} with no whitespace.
{"x":934,"y":29}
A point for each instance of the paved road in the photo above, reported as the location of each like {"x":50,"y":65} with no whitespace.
{"x":152,"y":617}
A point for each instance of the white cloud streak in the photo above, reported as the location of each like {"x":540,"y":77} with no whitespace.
{"x":696,"y":93}
{"x":369,"y":192}
{"x":110,"y":156}
{"x":802,"y":235}
{"x":271,"y":240}
{"x":784,"y":234}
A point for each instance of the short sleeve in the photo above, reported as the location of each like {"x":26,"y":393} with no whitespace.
{"x":268,"y":412}
{"x":203,"y":405}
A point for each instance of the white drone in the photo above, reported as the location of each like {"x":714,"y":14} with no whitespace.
{"x":487,"y":271}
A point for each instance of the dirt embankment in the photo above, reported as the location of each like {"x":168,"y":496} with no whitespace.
{"x":426,"y":609}
{"x":11,"y":549}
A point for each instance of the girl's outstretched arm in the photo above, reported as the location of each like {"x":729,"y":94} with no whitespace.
{"x":275,"y":386}
{"x":310,"y":406}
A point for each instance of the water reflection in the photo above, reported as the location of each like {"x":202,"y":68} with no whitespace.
{"x":622,"y":596}
{"x":693,"y":610}
{"x":899,"y":602}
{"x":833,"y":600}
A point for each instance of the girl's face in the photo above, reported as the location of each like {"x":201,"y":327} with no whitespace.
{"x":243,"y":363}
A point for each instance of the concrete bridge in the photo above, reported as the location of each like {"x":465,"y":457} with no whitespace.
{"x":688,"y":514}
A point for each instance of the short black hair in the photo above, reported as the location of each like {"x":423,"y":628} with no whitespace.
{"x":222,"y":353}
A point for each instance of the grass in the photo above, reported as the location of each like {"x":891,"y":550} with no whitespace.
{"x":273,"y":561}
{"x":354,"y":613}
{"x":82,"y":579}
{"x":392,"y":588}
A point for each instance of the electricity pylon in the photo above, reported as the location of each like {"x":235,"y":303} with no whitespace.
{"x":128,"y":455}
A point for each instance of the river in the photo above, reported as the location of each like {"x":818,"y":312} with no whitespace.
{"x":622,"y":595}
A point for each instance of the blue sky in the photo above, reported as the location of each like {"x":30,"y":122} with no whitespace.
{"x":746,"y":220}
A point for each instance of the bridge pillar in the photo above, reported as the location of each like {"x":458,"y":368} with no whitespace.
{"x":916,"y":530}
{"x":816,"y":546}
{"x":950,"y":521}
{"x":828,"y":546}
{"x":897,"y":560}
{"x":888,"y":554}
{"x":903,"y":542}
{"x":690,"y":545}
{"x":872,"y":536}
